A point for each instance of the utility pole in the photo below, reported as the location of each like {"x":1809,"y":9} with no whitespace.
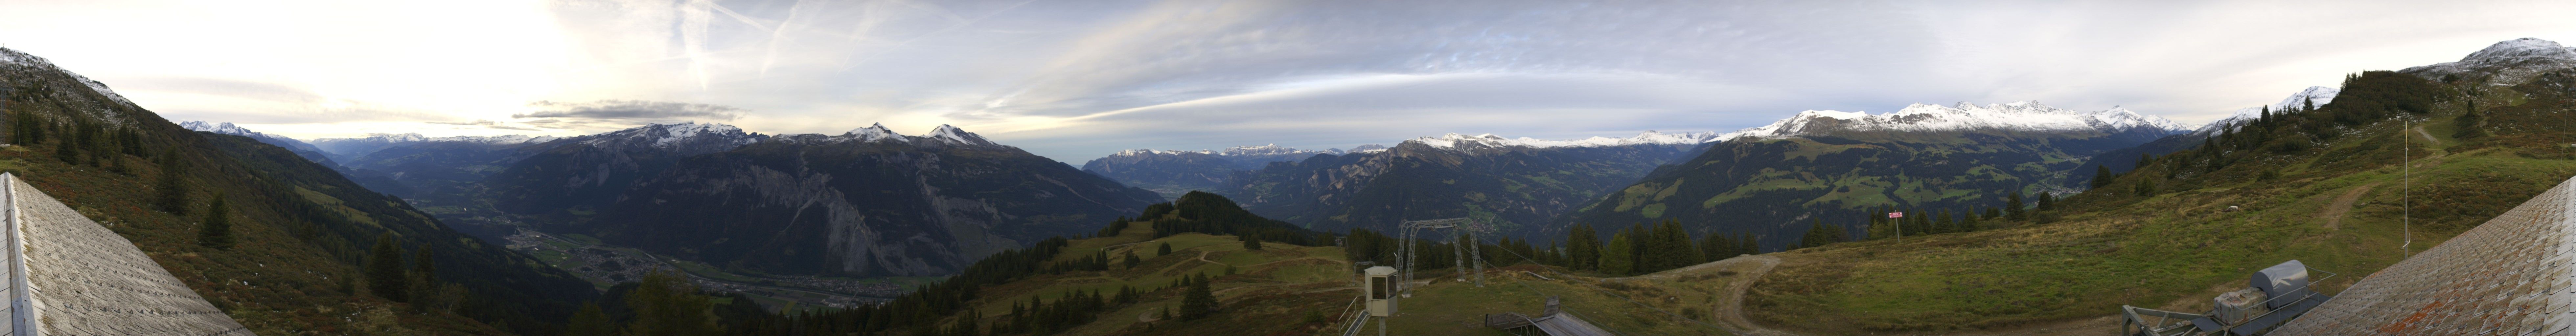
{"x":2406,"y":191}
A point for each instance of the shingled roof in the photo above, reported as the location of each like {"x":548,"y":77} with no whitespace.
{"x":2509,"y":276}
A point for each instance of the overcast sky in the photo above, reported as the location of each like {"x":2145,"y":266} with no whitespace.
{"x":1074,"y":80}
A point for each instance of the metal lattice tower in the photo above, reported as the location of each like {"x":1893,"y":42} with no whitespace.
{"x":1463,"y":243}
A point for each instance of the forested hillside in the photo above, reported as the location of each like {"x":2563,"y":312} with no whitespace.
{"x":284,"y":245}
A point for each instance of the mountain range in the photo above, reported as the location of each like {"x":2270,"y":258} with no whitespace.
{"x":1771,"y":181}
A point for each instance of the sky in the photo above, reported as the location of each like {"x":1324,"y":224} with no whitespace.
{"x":1075,"y":80}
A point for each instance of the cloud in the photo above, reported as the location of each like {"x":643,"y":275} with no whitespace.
{"x":632,"y":110}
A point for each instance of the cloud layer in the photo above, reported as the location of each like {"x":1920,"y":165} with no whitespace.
{"x":1078,"y":79}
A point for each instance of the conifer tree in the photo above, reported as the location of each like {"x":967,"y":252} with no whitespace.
{"x":172,"y":187}
{"x":217,"y":230}
{"x":1717,"y":246}
{"x":2047,"y":202}
{"x":385,"y":270}
{"x":1164,"y":249}
{"x":1618,"y":258}
{"x":2013,"y":206}
{"x":665,"y":304}
{"x":590,"y":321}
{"x":1251,"y":241}
{"x":1197,"y":302}
{"x":1583,"y":245}
{"x":2101,"y":177}
{"x":424,"y":278}
{"x":1751,"y":244}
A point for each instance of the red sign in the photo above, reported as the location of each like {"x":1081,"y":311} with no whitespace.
{"x":1896,"y":215}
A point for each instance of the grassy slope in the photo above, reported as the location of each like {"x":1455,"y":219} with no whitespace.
{"x":2173,"y":250}
{"x":1278,"y":286}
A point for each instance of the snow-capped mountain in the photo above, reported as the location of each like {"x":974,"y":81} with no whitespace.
{"x":228,"y":128}
{"x":943,"y":135}
{"x":688,"y":138}
{"x":1455,"y":140}
{"x":352,"y":148}
{"x":300,"y":148}
{"x":1174,"y":172}
{"x":2313,"y":96}
{"x":2022,"y":116}
{"x":2509,"y":62}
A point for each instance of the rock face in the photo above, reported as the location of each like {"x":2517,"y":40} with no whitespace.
{"x":81,"y":279}
{"x":1522,"y":182}
{"x":860,"y":204}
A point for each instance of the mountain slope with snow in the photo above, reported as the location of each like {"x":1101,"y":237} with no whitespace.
{"x":2504,"y":63}
{"x":2022,"y":116}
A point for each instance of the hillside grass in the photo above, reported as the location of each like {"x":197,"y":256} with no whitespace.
{"x":1274,"y":289}
{"x":2172,"y":251}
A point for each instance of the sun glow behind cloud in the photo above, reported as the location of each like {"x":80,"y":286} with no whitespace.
{"x":1074,"y":80}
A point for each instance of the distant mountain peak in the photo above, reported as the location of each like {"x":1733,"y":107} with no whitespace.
{"x":875,"y":132}
{"x":2318,"y":95}
{"x":2508,"y":62}
{"x":2520,"y":49}
{"x":1455,"y":140}
{"x":957,"y":136}
{"x":219,"y":128}
{"x":1963,"y":116}
{"x":712,"y":137}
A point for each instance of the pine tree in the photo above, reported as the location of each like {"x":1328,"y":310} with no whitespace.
{"x":2101,"y":177}
{"x":2013,"y":207}
{"x":1251,"y":241}
{"x":385,"y":270}
{"x":1618,"y":258}
{"x":1750,"y":244}
{"x":1197,"y":302}
{"x":1583,"y":245}
{"x":1717,"y":246}
{"x":217,"y":231}
{"x":1163,"y":250}
{"x":424,"y":278}
{"x":1132,"y":260}
{"x":665,"y":304}
{"x":2143,"y":160}
{"x":2047,"y":202}
{"x":1993,"y":213}
{"x":1815,"y":235}
{"x":590,"y":321}
{"x":172,"y":186}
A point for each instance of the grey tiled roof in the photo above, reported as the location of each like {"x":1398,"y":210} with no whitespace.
{"x":2509,"y":276}
{"x":81,"y":279}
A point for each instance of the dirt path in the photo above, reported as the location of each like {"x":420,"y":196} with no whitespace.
{"x":2333,"y":213}
{"x":2428,"y":137}
{"x":1730,"y":308}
